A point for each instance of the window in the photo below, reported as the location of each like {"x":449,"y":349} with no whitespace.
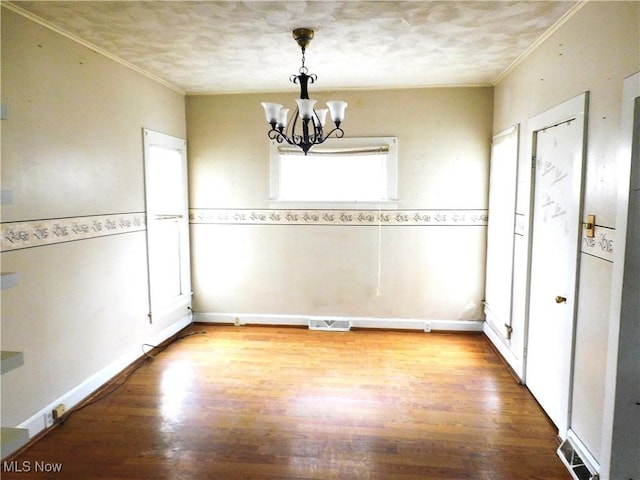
{"x":346,"y":170}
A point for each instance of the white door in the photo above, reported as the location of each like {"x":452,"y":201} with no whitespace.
{"x":558,"y":163}
{"x":167,"y":226}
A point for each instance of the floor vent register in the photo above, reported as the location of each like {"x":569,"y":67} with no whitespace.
{"x":578,"y":468}
{"x":329,"y":325}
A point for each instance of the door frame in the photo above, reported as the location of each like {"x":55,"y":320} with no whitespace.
{"x":620,"y":421}
{"x":561,"y":113}
{"x":182,"y":305}
{"x":504,"y":198}
{"x":500,"y":329}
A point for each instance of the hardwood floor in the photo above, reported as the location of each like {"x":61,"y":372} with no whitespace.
{"x":288,"y":403}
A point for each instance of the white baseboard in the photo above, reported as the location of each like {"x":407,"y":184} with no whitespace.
{"x":36,"y":423}
{"x":501,"y":345}
{"x":356,"y":322}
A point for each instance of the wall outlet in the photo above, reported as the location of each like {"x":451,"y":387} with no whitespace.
{"x":236,"y":321}
{"x":48,"y":419}
{"x":58,"y":411}
{"x":427,"y":327}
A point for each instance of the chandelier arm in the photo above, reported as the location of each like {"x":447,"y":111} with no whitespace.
{"x":280,"y":137}
{"x":295,"y":77}
{"x":291,"y":128}
{"x":288,"y":134}
{"x":318,"y":129}
{"x":291,"y":141}
{"x":337,"y":130}
{"x":274,"y":134}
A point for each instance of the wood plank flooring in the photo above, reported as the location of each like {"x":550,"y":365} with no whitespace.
{"x":288,"y":403}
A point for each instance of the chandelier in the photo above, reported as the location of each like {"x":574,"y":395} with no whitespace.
{"x":306,"y":127}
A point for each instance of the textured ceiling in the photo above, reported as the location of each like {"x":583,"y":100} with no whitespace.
{"x":231,"y":46}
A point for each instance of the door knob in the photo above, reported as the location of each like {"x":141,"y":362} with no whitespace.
{"x":560,"y":299}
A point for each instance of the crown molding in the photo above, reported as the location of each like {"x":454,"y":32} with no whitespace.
{"x":545,"y":36}
{"x":41,"y":21}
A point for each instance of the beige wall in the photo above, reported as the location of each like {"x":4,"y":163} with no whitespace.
{"x":427,"y":272}
{"x":593,"y":51}
{"x":72,"y":147}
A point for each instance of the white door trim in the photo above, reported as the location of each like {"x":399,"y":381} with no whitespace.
{"x":180,"y":305}
{"x":618,"y":451}
{"x":498,"y":303}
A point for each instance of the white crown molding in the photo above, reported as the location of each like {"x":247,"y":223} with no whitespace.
{"x":41,"y":21}
{"x":545,"y":36}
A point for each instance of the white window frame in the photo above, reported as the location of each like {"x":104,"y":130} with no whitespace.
{"x":342,"y":146}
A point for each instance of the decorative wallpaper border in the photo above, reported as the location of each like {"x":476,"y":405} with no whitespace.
{"x":372,"y":217}
{"x":37,"y":233}
{"x":600,"y":246}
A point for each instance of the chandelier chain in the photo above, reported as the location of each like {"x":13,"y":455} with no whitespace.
{"x":303,"y":69}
